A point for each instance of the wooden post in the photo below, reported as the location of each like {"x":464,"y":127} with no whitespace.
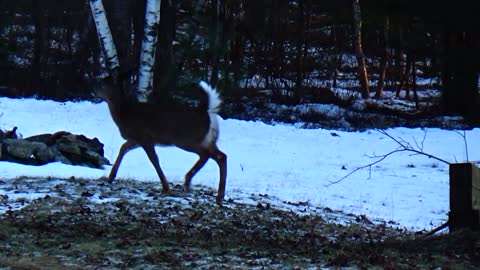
{"x":464,"y":196}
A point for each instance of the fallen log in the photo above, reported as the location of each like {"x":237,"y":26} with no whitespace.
{"x":61,"y":146}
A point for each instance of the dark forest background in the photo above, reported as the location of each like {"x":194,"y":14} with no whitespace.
{"x":297,"y":50}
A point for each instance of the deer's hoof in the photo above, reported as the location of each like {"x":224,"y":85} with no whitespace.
{"x":166,"y":191}
{"x":104,"y":179}
{"x":220,"y":201}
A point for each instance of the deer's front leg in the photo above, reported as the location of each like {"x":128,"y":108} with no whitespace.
{"x":150,"y":150}
{"x":127,"y":146}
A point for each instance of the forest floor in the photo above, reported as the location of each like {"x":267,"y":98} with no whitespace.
{"x":346,"y":111}
{"x":92,"y":224}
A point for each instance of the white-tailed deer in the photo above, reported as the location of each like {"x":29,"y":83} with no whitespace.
{"x":146,"y":125}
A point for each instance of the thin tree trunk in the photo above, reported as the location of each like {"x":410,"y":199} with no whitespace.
{"x":400,"y":67}
{"x":216,"y":44}
{"x":460,"y":75}
{"x":104,"y":34}
{"x":362,"y":68}
{"x":414,"y":81}
{"x":85,"y":52}
{"x":165,"y":76}
{"x":337,"y":58}
{"x":138,"y":26}
{"x":39,"y":47}
{"x":384,"y":60}
{"x":299,"y":91}
{"x":120,"y":19}
{"x":406,"y":75}
{"x":147,"y":56}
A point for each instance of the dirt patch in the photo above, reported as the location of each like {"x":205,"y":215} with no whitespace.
{"x":91,"y":224}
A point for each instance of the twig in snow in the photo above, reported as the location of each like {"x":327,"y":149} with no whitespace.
{"x":437,"y":229}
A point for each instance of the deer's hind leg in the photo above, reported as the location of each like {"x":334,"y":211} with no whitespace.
{"x":221,"y":159}
{"x":204,"y":156}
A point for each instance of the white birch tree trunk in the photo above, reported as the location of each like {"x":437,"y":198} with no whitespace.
{"x":104,"y":34}
{"x":147,"y":56}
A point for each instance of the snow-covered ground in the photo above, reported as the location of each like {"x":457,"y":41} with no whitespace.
{"x":283,"y":161}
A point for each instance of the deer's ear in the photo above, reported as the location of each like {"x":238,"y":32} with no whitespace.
{"x":124,"y":74}
{"x":119,"y":75}
{"x":114,"y":76}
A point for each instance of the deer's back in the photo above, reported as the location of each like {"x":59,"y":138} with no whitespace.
{"x":162,"y":124}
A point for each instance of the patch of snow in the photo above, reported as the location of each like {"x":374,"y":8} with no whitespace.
{"x":282,"y":161}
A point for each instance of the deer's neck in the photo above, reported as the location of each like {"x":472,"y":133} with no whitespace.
{"x":118,"y":105}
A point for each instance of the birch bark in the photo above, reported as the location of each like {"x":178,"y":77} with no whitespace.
{"x":147,"y":56}
{"x":104,"y":34}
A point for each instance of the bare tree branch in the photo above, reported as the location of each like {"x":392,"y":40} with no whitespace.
{"x":464,"y":136}
{"x":423,"y":140}
{"x":381,"y":158}
{"x":404,"y":146}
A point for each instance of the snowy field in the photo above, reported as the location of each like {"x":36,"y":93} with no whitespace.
{"x":291,"y":164}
